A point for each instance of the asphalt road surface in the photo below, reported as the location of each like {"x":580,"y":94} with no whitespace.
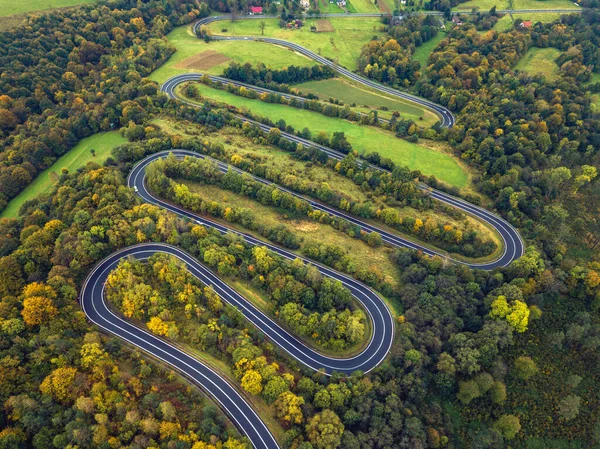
{"x":446,"y":117}
{"x":225,"y":394}
{"x":377,"y":311}
{"x":512,"y":242}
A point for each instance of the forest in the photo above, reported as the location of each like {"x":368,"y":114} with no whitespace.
{"x":506,"y":358}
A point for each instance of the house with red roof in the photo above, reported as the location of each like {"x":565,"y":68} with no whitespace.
{"x":526,"y":23}
{"x":255,"y":10}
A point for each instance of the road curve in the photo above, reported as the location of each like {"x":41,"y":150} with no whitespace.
{"x":94,"y":305}
{"x":512,"y":242}
{"x":226,"y":395}
{"x":376,"y":310}
{"x":446,"y":117}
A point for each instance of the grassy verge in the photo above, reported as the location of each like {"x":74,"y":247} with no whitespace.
{"x":366,"y":101}
{"x":343,"y":45}
{"x":188,"y":45}
{"x":540,"y":61}
{"x":364,"y":139}
{"x":77,"y":157}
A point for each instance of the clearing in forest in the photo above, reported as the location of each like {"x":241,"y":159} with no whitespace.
{"x":77,"y":157}
{"x":203,"y":61}
{"x":540,"y":61}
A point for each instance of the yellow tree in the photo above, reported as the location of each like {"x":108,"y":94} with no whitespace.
{"x":288,"y":408}
{"x":38,"y":307}
{"x":213,"y":300}
{"x":158,"y":326}
{"x":516,"y":314}
{"x":252,"y":382}
{"x":59,"y":384}
{"x":325,"y":430}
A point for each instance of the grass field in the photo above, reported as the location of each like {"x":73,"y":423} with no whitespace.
{"x":486,"y":5}
{"x":13,"y":13}
{"x":540,"y":61}
{"x":365,"y":100}
{"x":10,"y":7}
{"x":189,"y":46}
{"x":364,"y":139}
{"x":348,"y":38}
{"x":506,"y":22}
{"x":422,"y":53}
{"x":235,"y":143}
{"x":77,"y":157}
{"x":595,"y":97}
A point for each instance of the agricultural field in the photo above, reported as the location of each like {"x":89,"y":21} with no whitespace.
{"x":329,"y":8}
{"x":364,"y":6}
{"x":342,"y":45}
{"x":540,"y":61}
{"x":195,"y":55}
{"x":364,"y":139}
{"x":79,"y":156}
{"x":366,"y":101}
{"x":387,"y":6}
{"x":486,"y":5}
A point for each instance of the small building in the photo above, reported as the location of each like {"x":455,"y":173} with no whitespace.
{"x":305,"y":4}
{"x":255,"y":10}
{"x":526,"y":24}
{"x":341,"y":3}
{"x":456,"y":20}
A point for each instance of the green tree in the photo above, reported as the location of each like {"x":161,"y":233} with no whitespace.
{"x":498,"y":392}
{"x":374,"y":239}
{"x":524,"y":367}
{"x":325,"y":430}
{"x":467,"y":391}
{"x":508,"y":426}
{"x":274,"y":387}
{"x":568,"y":407}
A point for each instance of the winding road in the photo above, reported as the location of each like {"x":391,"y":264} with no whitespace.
{"x":511,"y":240}
{"x":224,"y":393}
{"x":446,"y":117}
{"x":94,"y":305}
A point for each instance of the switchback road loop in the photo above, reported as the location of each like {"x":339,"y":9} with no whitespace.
{"x":224,"y":393}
